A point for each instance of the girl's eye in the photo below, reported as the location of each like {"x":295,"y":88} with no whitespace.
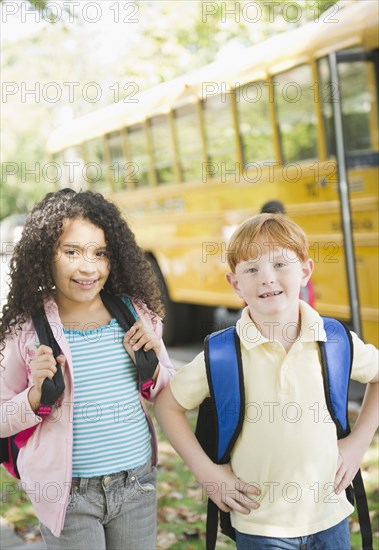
{"x":102,"y":254}
{"x":71,"y":252}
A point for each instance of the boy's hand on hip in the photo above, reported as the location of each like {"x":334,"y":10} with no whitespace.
{"x":229,"y":492}
{"x":349,"y":460}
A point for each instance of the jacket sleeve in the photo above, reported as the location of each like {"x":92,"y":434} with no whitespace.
{"x":16,"y":412}
{"x":166,"y":369}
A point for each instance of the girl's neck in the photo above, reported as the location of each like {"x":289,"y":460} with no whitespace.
{"x":78,"y":315}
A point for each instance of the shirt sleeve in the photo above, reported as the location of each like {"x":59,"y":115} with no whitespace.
{"x":190,"y":385}
{"x":16,"y":412}
{"x":365,"y":361}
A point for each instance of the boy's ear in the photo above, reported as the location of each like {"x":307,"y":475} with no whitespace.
{"x":232,"y":280}
{"x":307,"y":268}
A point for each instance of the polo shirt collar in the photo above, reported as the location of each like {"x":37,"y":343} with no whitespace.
{"x":312,"y":325}
{"x":312,"y":328}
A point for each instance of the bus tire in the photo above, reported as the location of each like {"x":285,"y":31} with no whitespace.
{"x":203,"y":322}
{"x":177,"y":319}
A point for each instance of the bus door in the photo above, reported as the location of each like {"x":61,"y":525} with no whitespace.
{"x":352,"y":137}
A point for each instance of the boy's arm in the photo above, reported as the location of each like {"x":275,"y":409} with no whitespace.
{"x":218,"y":481}
{"x":353,"y":447}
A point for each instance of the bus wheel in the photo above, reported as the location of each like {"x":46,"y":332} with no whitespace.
{"x":203,"y":322}
{"x":177,"y":320}
{"x":177,"y":323}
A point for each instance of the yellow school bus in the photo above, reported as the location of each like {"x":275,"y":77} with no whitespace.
{"x":294,"y":118}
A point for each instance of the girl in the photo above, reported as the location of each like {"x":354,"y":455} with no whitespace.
{"x":89,"y":467}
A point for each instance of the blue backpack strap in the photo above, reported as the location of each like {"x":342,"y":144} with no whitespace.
{"x":226,"y":387}
{"x":337,"y":360}
{"x":337,"y":354}
{"x":221,"y":415}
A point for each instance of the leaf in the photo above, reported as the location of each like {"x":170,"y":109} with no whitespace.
{"x":165,"y":539}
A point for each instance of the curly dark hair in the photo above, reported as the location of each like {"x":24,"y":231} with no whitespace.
{"x":31,"y":278}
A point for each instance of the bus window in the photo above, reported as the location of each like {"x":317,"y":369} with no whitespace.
{"x":294,"y":98}
{"x":255,"y":122}
{"x":219,"y":131}
{"x":189,"y":142}
{"x":357,"y":88}
{"x":162,"y":148}
{"x":139,"y":154}
{"x":94,"y":172}
{"x":117,"y":160}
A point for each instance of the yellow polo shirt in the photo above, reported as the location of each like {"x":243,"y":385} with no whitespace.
{"x":288,"y":443}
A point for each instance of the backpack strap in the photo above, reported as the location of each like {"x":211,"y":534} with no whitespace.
{"x":211,"y":525}
{"x":221,"y":415}
{"x":225,"y":379}
{"x":360,"y":496}
{"x":337,"y":354}
{"x":336,"y":361}
{"x":51,"y":389}
{"x":146,"y":361}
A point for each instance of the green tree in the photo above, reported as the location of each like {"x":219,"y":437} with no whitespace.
{"x":171,"y":38}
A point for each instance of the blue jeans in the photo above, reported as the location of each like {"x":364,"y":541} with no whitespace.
{"x":335,"y":538}
{"x":109,"y":513}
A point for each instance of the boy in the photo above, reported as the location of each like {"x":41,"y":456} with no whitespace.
{"x":285,"y":483}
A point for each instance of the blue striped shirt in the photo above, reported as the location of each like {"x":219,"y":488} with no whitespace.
{"x":111,"y":432}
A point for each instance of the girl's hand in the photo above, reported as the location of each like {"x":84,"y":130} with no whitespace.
{"x":139,"y":336}
{"x":42,"y":366}
{"x":349,"y":460}
{"x":228,"y":492}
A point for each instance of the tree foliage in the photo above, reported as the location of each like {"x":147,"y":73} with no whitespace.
{"x":170,"y":38}
{"x":35,"y":4}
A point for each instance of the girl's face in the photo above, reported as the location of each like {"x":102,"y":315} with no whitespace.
{"x":81,"y":266}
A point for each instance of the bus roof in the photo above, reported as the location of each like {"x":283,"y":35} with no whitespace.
{"x":348,"y":24}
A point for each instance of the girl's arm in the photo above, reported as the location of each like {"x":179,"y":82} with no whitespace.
{"x":15,"y":410}
{"x":353,"y":447}
{"x":219,"y":482}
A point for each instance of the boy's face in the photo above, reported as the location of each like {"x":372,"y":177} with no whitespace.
{"x":270,"y":283}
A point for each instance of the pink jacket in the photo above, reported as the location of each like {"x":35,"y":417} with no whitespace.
{"x":44,"y":463}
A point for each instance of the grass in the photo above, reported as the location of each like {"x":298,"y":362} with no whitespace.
{"x":181,"y":507}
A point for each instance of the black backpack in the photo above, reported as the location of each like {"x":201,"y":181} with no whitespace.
{"x":221,"y":415}
{"x":146,"y":363}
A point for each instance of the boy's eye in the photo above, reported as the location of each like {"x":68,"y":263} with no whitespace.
{"x":252,"y":270}
{"x":280,"y":264}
